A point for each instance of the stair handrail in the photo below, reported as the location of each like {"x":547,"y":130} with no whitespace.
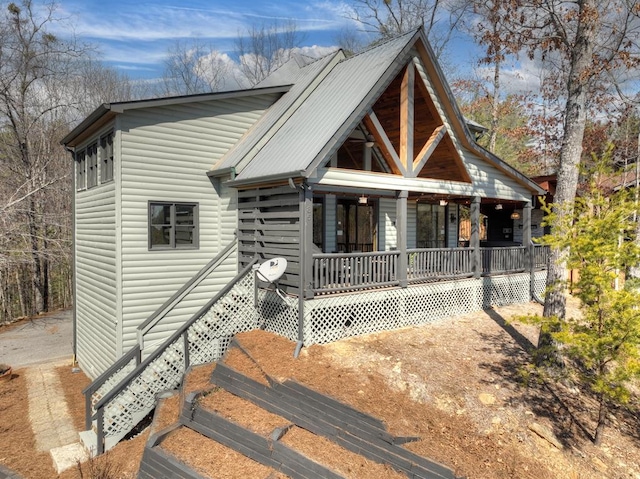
{"x":118,"y":388}
{"x":149,"y":323}
{"x":179,"y":295}
{"x":134,"y":353}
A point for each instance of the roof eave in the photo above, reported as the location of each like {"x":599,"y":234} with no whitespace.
{"x":266,"y":179}
{"x":94,"y":117}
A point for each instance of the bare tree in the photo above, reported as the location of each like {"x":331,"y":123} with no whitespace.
{"x":33,"y":65}
{"x":263,"y":48}
{"x":490,"y":26}
{"x":94,"y":84}
{"x":193,"y":67}
{"x":389,"y":18}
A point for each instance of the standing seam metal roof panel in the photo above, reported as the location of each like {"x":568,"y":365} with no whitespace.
{"x":243,"y":149}
{"x":316,"y":122}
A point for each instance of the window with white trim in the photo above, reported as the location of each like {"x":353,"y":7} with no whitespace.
{"x":173,"y":225}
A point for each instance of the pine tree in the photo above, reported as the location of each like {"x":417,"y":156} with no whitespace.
{"x":603,"y":345}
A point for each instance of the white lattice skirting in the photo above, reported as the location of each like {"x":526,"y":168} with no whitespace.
{"x":341,"y":316}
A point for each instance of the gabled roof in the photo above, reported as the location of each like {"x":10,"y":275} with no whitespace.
{"x":303,"y":79}
{"x":299,"y":139}
{"x":331,"y":109}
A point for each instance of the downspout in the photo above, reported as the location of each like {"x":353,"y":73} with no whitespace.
{"x":74,"y":331}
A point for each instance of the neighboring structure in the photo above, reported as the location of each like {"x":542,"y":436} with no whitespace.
{"x":360,"y":154}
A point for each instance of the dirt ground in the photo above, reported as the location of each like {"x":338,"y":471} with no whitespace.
{"x":461,"y":384}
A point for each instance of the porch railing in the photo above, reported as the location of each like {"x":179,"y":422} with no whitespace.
{"x":344,"y":272}
{"x":540,"y":256}
{"x":354,"y":271}
{"x":503,"y":260}
{"x":439,"y":263}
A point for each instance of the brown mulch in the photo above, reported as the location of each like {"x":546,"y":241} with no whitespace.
{"x":340,"y":460}
{"x":242,"y":412}
{"x":210,"y":457}
{"x":17,"y":442}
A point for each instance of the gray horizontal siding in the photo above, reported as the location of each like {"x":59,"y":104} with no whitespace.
{"x":412,"y":224}
{"x":96,"y":278}
{"x":269,"y":227}
{"x":386,"y":222}
{"x":168,"y":151}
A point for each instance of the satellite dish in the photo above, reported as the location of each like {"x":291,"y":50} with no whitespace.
{"x":272,"y":269}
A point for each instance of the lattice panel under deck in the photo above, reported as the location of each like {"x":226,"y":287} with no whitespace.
{"x":278,"y":315}
{"x":540,"y":283}
{"x":208,"y":339}
{"x":507,"y":289}
{"x":336,"y":317}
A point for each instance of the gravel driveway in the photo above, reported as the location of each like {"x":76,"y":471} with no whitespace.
{"x":41,"y":339}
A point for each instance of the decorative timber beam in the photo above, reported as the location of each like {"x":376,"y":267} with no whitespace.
{"x":428,"y":149}
{"x":407,"y":117}
{"x":384,"y":144}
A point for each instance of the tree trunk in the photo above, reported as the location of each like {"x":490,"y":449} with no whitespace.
{"x":570,"y":155}
{"x":495,"y":105}
{"x":602,"y":420}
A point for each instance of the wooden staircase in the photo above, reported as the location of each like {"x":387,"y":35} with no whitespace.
{"x":276,"y":429}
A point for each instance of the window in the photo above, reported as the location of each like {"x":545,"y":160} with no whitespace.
{"x":173,"y":225}
{"x":106,"y":156}
{"x":92,"y":165}
{"x":431,"y":226}
{"x":80,"y":169}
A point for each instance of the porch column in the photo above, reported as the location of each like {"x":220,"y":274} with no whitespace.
{"x":474,"y":241}
{"x":306,"y":240}
{"x":526,"y":235}
{"x":401,"y":232}
{"x":528,"y":248}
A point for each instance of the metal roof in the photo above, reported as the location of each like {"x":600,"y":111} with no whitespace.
{"x":267,"y":126}
{"x":323,"y":119}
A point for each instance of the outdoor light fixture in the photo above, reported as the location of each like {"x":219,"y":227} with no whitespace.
{"x":499,"y":206}
{"x":444,"y":202}
{"x":515,"y":215}
{"x":362,"y":200}
{"x":370,"y":141}
{"x":452,"y":217}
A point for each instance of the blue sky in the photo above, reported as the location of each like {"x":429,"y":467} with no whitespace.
{"x":135,"y":36}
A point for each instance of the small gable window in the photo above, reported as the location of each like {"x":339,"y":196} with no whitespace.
{"x":173,"y":225}
{"x":92,"y":165}
{"x":106,"y":156}
{"x":80,"y":169}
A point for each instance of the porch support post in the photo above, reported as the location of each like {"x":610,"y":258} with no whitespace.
{"x":474,"y":241}
{"x":305,"y":259}
{"x":528,"y":248}
{"x":401,"y":231}
{"x":526,"y":235}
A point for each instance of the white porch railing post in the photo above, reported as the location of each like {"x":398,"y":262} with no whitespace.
{"x":401,"y":231}
{"x":474,"y":240}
